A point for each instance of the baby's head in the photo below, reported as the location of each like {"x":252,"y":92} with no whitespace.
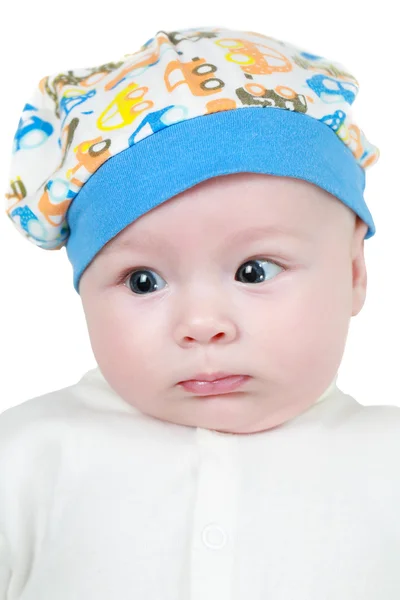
{"x":209,"y":191}
{"x":170,"y":297}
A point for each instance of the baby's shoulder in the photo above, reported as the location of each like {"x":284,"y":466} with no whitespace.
{"x":28,"y":416}
{"x":382,"y":418}
{"x":60,"y":406}
{"x":374,"y":429}
{"x":61,"y":412}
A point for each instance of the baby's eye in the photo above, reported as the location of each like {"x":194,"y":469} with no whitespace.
{"x":255,"y":274}
{"x":142,"y":281}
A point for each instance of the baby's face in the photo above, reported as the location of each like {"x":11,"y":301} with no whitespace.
{"x":195,"y":307}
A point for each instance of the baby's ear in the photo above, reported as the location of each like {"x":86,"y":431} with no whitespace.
{"x":359,"y":269}
{"x":360,"y":231}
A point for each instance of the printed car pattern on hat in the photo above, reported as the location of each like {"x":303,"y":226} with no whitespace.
{"x":77,"y":120}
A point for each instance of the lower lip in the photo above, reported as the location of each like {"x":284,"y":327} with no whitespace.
{"x":219,"y":386}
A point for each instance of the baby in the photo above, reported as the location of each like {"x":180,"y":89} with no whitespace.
{"x":218,"y":250}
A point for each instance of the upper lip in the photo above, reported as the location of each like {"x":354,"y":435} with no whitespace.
{"x":210,"y":376}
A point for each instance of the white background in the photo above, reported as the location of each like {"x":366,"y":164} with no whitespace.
{"x":44,"y":344}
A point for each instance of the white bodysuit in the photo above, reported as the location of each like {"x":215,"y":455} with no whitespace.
{"x":101,"y":502}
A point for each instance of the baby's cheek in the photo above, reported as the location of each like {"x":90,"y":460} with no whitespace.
{"x":128,"y":344}
{"x":317,"y":341}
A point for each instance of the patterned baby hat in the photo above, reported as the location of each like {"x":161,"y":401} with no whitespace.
{"x":266,"y":106}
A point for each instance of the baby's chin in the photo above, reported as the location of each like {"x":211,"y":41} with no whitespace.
{"x":239,"y":415}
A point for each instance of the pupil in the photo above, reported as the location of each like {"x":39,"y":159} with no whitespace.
{"x":141,"y":282}
{"x":253,"y":273}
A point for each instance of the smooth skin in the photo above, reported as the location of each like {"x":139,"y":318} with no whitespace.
{"x":284,"y":321}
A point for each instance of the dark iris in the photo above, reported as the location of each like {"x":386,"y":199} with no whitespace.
{"x":140,"y":282}
{"x":253,"y":274}
{"x":143,"y":281}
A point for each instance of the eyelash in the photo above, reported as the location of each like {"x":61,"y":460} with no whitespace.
{"x":126,"y":272}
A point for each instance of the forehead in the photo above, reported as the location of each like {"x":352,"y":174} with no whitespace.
{"x":235,"y":207}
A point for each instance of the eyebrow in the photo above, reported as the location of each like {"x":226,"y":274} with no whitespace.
{"x":250,"y":234}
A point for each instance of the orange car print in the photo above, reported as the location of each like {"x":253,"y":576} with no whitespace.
{"x":255,"y":59}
